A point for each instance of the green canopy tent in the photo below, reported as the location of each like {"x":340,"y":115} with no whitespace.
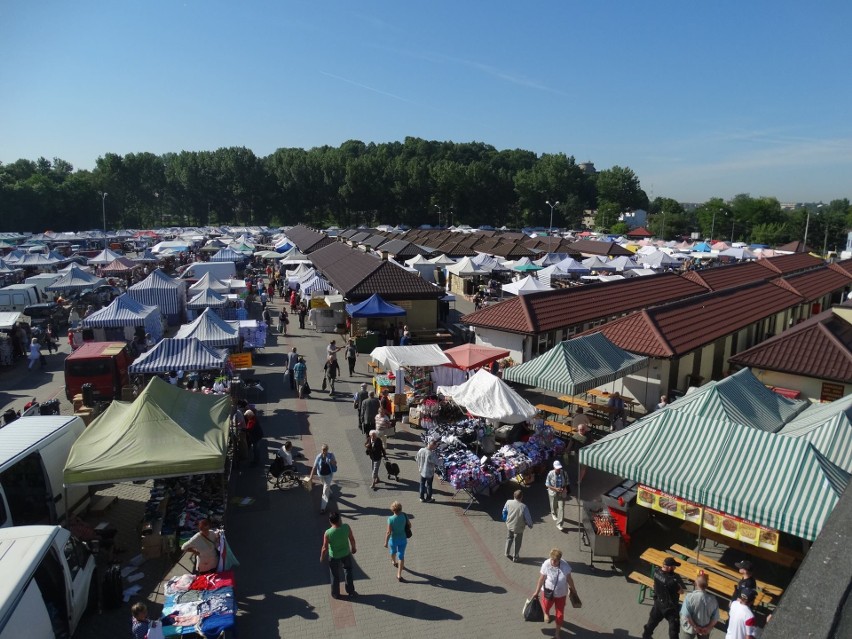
{"x":165,"y":432}
{"x":576,"y":366}
{"x":779,"y":482}
{"x":828,"y":427}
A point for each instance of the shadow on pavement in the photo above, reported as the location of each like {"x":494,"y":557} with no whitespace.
{"x":407,"y":607}
{"x":462,"y":584}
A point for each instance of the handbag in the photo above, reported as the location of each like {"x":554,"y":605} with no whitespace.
{"x":574,"y":599}
{"x":533,"y":611}
{"x":408,"y":532}
{"x":548,"y":593}
{"x":324,"y":382}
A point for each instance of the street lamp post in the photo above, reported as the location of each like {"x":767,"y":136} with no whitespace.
{"x":552,"y":206}
{"x":732,"y":230}
{"x":713,"y":225}
{"x":103,"y":211}
{"x":807,"y":224}
{"x":439,"y":214}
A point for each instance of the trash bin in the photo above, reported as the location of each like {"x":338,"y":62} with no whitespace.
{"x":88,"y":391}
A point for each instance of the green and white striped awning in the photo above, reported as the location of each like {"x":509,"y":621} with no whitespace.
{"x":829,"y":428}
{"x":576,"y":366}
{"x":743,"y":399}
{"x":778,"y":482}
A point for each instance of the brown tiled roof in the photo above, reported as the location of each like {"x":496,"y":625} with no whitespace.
{"x":360,"y":236}
{"x":595,"y":247}
{"x":402,"y":249}
{"x":793,"y":263}
{"x":375,"y":241}
{"x":485,"y":244}
{"x":640,"y":232}
{"x":511,"y":250}
{"x":716,"y":278}
{"x":812,"y":285}
{"x":819,"y":347}
{"x":358,"y":275}
{"x":452,"y":248}
{"x":845,"y":265}
{"x":512,"y":236}
{"x":561,"y":308}
{"x":675,"y":329}
{"x":307,"y":239}
{"x":797,"y":246}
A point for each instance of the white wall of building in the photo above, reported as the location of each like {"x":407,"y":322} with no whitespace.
{"x":512,"y":342}
{"x":810,"y":387}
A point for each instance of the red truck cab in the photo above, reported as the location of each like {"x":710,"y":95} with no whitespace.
{"x":102,"y":364}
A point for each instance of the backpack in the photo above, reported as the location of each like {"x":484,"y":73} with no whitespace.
{"x":324,"y":466}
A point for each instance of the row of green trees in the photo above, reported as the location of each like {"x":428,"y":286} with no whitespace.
{"x":412,"y":182}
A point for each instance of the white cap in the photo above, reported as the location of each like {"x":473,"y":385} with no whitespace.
{"x":557,"y":464}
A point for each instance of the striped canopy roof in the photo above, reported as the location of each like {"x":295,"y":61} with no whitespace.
{"x":208,"y":281}
{"x":779,"y":482}
{"x":207,"y":298}
{"x":172,"y":354}
{"x":210,"y":329}
{"x":158,"y":289}
{"x":76,"y":279}
{"x":742,"y":399}
{"x":123,"y":309}
{"x":576,"y":366}
{"x":227,"y":254}
{"x":316,"y":283}
{"x":104,"y":257}
{"x":829,"y":428}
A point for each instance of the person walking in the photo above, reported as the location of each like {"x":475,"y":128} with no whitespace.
{"x":283,"y":321}
{"x":699,"y":612}
{"x":376,"y":452}
{"x":292,"y":360}
{"x":553,"y":583}
{"x":351,"y":354}
{"x":427,"y":461}
{"x":303,"y":312}
{"x":516,"y":514}
{"x":557,"y":492}
{"x":667,"y":589}
{"x":35,"y":353}
{"x":368,"y":411}
{"x":338,"y":543}
{"x":325,"y":465}
{"x":396,"y":537}
{"x":300,"y":377}
{"x":359,"y":397}
{"x":332,"y":370}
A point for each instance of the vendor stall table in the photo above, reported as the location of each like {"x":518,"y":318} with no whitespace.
{"x":553,"y":410}
{"x":381,"y":382}
{"x":600,"y":533}
{"x":578,"y":401}
{"x":604,"y":396}
{"x":200,"y":605}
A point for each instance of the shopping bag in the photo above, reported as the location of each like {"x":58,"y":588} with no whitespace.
{"x":155,"y":631}
{"x":533,"y":611}
{"x":574,"y":599}
{"x":324,"y":383}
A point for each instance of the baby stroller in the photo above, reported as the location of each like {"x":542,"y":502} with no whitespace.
{"x":280,"y":476}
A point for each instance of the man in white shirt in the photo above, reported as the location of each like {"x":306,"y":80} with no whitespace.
{"x":286,"y":454}
{"x":427,"y":461}
{"x":741,"y":621}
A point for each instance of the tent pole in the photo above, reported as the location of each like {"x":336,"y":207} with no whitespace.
{"x":579,"y":507}
{"x":698,"y":547}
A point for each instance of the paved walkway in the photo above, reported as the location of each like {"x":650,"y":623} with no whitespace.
{"x":456,"y":571}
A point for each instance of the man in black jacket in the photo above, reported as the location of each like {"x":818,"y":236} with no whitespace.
{"x":368,"y":411}
{"x":667,"y":589}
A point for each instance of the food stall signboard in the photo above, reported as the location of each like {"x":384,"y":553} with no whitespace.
{"x":240,"y":360}
{"x":715,"y":521}
{"x":830,"y":392}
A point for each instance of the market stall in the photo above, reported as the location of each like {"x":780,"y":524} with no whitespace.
{"x":370,"y":321}
{"x":75,"y":280}
{"x":172,"y":436}
{"x":158,"y":289}
{"x":406,"y":371}
{"x":207,"y":299}
{"x":212,"y":330}
{"x":171,"y":354}
{"x":123,"y":320}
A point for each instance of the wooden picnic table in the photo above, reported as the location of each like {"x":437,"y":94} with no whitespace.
{"x":722,"y":569}
{"x":560,"y":427}
{"x":784,"y":557}
{"x":553,"y":410}
{"x":578,"y":401}
{"x":717,"y":584}
{"x":631,"y":404}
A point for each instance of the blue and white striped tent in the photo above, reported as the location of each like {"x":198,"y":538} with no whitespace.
{"x":316,"y":283}
{"x":76,"y":279}
{"x":207,"y":298}
{"x":781,"y":482}
{"x":212,"y":330}
{"x":125,"y":312}
{"x":228,"y":254}
{"x":179,"y":355}
{"x":208,"y":281}
{"x":158,"y":289}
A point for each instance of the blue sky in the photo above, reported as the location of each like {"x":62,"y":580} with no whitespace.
{"x":699,"y":99}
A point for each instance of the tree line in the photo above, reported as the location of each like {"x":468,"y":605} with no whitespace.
{"x":412,"y":182}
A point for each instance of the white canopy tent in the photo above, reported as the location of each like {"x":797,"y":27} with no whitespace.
{"x":485,"y":395}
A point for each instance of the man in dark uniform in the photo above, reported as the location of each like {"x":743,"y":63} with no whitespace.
{"x":667,"y":589}
{"x":360,"y":396}
{"x":748,"y":581}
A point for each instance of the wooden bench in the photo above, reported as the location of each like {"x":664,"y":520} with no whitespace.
{"x":719,"y":567}
{"x":645,"y":582}
{"x":553,"y":410}
{"x":785,"y":557}
{"x":559,"y":427}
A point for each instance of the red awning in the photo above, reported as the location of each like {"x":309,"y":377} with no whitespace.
{"x":468,"y":356}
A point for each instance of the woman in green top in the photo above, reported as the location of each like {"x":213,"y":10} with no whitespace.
{"x":339,"y":543}
{"x":396,"y":537}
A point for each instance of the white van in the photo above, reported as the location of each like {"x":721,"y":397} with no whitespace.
{"x":48,"y":582}
{"x":33,"y":453}
{"x":218,"y":270}
{"x":17,"y":297}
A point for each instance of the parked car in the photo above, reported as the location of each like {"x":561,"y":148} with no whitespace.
{"x":47,"y":313}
